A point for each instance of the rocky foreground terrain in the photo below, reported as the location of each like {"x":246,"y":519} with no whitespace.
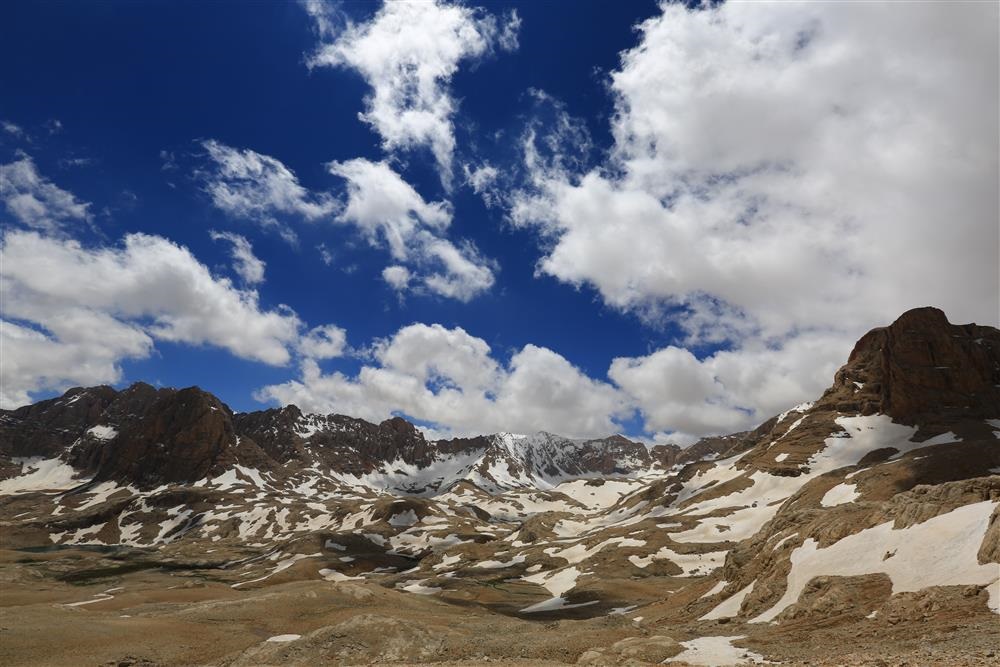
{"x":156,"y":527}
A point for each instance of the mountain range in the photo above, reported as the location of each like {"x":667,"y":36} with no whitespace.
{"x":871,"y":512}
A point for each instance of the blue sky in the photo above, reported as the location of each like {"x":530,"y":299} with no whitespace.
{"x":662,"y":231}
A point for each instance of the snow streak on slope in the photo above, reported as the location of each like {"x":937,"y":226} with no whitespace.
{"x":938,"y":552}
{"x":40,"y":474}
{"x":747,"y":510}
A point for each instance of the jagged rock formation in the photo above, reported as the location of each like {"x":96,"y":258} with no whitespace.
{"x":148,"y":437}
{"x":924,"y":368}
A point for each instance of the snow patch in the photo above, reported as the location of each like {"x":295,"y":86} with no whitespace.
{"x":553,"y":604}
{"x":730,"y":606}
{"x":103,"y":432}
{"x":556,"y":583}
{"x":938,"y":552}
{"x":840,"y":494}
{"x":716,"y":651}
{"x":715,"y":589}
{"x":418,"y":587}
{"x":691,"y":564}
{"x":801,"y":407}
{"x":99,"y":597}
{"x":495,"y":564}
{"x":407,"y":518}
{"x":40,"y":474}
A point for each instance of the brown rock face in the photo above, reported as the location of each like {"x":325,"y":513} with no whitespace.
{"x":922,"y":366}
{"x":827,"y":598}
{"x":47,"y":428}
{"x":273,"y":430}
{"x":179,"y":438}
{"x":357,"y":447}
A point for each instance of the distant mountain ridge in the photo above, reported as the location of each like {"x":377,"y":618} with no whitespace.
{"x":147,"y":437}
{"x":919,"y":367}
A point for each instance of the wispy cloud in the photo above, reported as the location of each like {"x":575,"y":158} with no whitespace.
{"x":249,"y":185}
{"x":408,"y":53}
{"x":35,"y":201}
{"x":389,"y":212}
{"x":247,"y":265}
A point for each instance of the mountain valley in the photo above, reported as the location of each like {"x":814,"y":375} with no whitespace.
{"x":157,"y":527}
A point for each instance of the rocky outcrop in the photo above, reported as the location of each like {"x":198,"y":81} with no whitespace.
{"x":48,"y":428}
{"x":357,"y":447}
{"x":277,"y":431}
{"x":180,"y":437}
{"x":923,"y":367}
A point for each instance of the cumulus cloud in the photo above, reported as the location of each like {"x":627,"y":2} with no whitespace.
{"x":384,"y":207}
{"x":249,"y":185}
{"x":398,"y":277}
{"x":408,"y":53}
{"x":80,"y":347}
{"x":323,"y":342}
{"x":36,"y":202}
{"x":783,"y":177}
{"x":71,"y":313}
{"x":247,"y":265}
{"x":464,"y":272}
{"x":730,"y":390}
{"x":770,"y":156}
{"x":388,"y":211}
{"x":453,"y":380}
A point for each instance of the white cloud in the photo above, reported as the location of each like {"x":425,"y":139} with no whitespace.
{"x":788,"y":175}
{"x":247,"y":266}
{"x":35,"y":201}
{"x":389,"y":211}
{"x":451,"y":378}
{"x":397,"y":276}
{"x":84,"y":347}
{"x":13,"y":129}
{"x":385,"y":207}
{"x":246,"y":184}
{"x":509,"y":30}
{"x":483,"y":181}
{"x":408,"y":52}
{"x":323,"y":342}
{"x":72,"y":312}
{"x":730,"y":390}
{"x":454,"y":381}
{"x":466,"y":273}
{"x":325,"y":254}
{"x":770,"y":156}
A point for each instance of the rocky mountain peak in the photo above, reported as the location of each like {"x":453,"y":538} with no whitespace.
{"x":401,"y":427}
{"x":48,"y":427}
{"x":922,"y":366}
{"x":179,"y":436}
